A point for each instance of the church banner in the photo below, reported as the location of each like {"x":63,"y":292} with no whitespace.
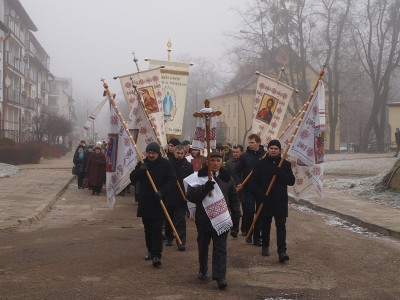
{"x":148,"y":84}
{"x":306,"y":153}
{"x":174,"y":78}
{"x":271,"y":101}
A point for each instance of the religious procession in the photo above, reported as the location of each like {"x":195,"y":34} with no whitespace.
{"x":228,"y":190}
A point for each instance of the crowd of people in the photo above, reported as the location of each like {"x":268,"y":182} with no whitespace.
{"x":222,"y":204}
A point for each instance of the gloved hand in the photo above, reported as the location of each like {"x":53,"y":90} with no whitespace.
{"x":208,"y":186}
{"x":143,"y":167}
{"x":159,"y":195}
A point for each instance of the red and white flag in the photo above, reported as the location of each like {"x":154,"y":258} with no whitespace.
{"x":199,"y":138}
{"x":121,"y":158}
{"x":93,"y":115}
{"x":148,"y":83}
{"x":270,"y":105}
{"x":306,"y":153}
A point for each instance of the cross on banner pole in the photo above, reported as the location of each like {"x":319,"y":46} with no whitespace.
{"x":207,"y":114}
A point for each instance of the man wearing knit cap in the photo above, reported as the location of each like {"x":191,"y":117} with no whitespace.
{"x":276,"y":204}
{"x":149,"y":208}
{"x":171,"y":147}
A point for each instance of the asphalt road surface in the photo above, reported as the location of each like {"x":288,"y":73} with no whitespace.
{"x":84,"y":250}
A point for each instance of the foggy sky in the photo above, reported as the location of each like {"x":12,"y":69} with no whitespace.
{"x":92,"y":39}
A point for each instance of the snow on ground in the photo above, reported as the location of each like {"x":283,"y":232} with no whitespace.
{"x":361,"y":174}
{"x":8,"y":170}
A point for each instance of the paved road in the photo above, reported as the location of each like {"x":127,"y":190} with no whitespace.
{"x":81,"y":249}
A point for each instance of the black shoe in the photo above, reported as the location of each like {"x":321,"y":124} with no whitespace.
{"x":234,"y":234}
{"x":257,"y":243}
{"x":244,"y":233}
{"x":283,"y":257}
{"x":181,"y":247}
{"x":93,"y":192}
{"x":169,"y":243}
{"x":222,"y":284}
{"x":202,"y":276}
{"x":265,"y":251}
{"x":156,"y":261}
{"x":148,"y":256}
{"x":97,"y":193}
{"x":249,"y":240}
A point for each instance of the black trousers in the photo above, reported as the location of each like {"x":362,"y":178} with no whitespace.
{"x":178,"y":217}
{"x":80,"y":178}
{"x":280,"y":223}
{"x":153,"y":235}
{"x":251,"y":208}
{"x":219,"y":252}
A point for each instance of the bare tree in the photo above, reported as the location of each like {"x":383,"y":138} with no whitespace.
{"x":376,"y":38}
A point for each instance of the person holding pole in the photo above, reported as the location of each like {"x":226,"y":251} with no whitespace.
{"x":149,"y":208}
{"x":275,"y":205}
{"x":244,"y":166}
{"x":175,"y":198}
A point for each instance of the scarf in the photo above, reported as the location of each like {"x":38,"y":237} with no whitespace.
{"x":214,"y":205}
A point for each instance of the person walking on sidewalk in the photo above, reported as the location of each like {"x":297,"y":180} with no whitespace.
{"x":276,"y":204}
{"x":244,"y":166}
{"x":176,"y":204}
{"x":149,"y":208}
{"x":397,"y":138}
{"x":78,"y":164}
{"x":213,"y":215}
{"x":96,"y":170}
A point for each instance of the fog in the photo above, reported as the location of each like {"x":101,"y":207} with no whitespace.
{"x":92,"y":39}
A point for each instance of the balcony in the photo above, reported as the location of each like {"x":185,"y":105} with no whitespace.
{"x":30,"y":103}
{"x":13,"y":24}
{"x":15,"y":63}
{"x":13,"y":96}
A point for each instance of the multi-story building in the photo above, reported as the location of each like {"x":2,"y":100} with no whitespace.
{"x":60,"y":98}
{"x":25,"y":75}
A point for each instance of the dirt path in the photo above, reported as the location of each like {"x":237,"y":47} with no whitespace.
{"x":84,"y":250}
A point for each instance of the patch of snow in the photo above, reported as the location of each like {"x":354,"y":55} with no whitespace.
{"x":7,"y":170}
{"x":339,"y":223}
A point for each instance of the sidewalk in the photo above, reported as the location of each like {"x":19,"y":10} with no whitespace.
{"x":26,"y":196}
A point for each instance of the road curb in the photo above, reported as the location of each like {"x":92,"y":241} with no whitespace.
{"x":43,"y":210}
{"x":357,"y":221}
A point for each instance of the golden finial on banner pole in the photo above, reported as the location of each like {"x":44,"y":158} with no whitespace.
{"x":169,"y":46}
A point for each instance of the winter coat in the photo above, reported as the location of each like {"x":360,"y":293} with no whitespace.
{"x":230,"y":166}
{"x":247,"y":162}
{"x":79,"y":162}
{"x":182,"y":169}
{"x":276,"y":204}
{"x":164,"y":178}
{"x":197,"y":195}
{"x":96,"y":169}
{"x":397,"y":137}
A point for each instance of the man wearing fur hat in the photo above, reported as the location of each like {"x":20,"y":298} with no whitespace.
{"x":149,"y":208}
{"x":276,"y":204}
{"x":215,"y":207}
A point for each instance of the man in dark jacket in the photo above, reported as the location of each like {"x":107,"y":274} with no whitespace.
{"x":149,"y":207}
{"x":230,"y":166}
{"x":198,"y":194}
{"x":397,"y":138}
{"x":244,"y":166}
{"x":176,"y":203}
{"x":276,"y":204}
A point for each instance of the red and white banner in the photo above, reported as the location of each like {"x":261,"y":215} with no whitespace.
{"x":306,"y":153}
{"x":121,"y":158}
{"x":270,"y":105}
{"x":148,"y":83}
{"x":199,"y":137}
{"x":93,"y":115}
{"x":140,"y":127}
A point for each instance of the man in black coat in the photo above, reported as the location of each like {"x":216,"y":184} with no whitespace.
{"x":244,"y":166}
{"x":276,"y":204}
{"x":205,"y":230}
{"x":149,"y":207}
{"x":176,"y":203}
